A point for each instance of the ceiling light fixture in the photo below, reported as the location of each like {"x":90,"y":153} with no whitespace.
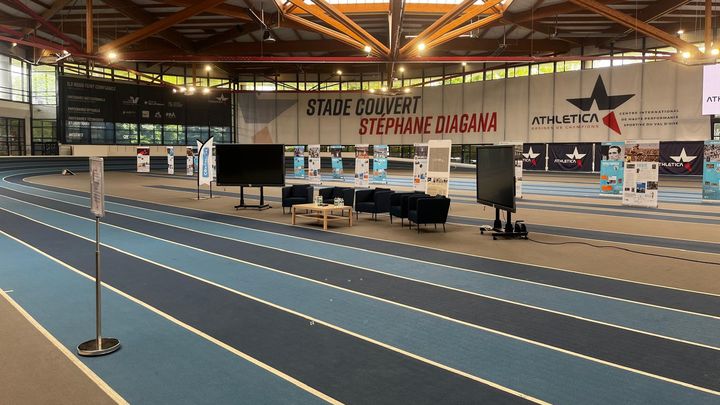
{"x":401,"y":69}
{"x":680,"y":32}
{"x":367,"y":49}
{"x":339,"y":72}
{"x":686,"y":55}
{"x":372,"y":90}
{"x":112,"y":56}
{"x":14,"y":44}
{"x":714,"y":51}
{"x":383,"y":89}
{"x":208,"y":68}
{"x":206,"y":90}
{"x":421,"y":46}
{"x":406,"y":90}
{"x":182,"y":89}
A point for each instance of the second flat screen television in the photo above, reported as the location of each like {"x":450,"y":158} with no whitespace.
{"x":496,"y":177}
{"x":250,"y":165}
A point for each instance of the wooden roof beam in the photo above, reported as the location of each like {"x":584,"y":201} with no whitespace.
{"x":352,"y":26}
{"x":76,"y":47}
{"x":224,"y":36}
{"x":49,"y":13}
{"x":160,"y":25}
{"x":221,"y":9}
{"x":456,"y":33}
{"x":328,"y":32}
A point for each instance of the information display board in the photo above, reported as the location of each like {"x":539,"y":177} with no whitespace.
{"x":299,"y":162}
{"x":612,"y":168}
{"x":97,"y":187}
{"x":420,"y":167}
{"x":143,"y":159}
{"x":711,"y":171}
{"x":314,"y":164}
{"x":438,"y":174}
{"x":362,"y":166}
{"x":380,"y":155}
{"x":640,"y":187}
{"x":337,"y":162}
{"x":170,"y":159}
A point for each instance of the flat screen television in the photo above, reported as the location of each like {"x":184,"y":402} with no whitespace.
{"x":496,"y":176}
{"x":251,"y":165}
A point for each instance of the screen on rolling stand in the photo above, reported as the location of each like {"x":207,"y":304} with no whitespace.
{"x":250,"y":165}
{"x":496,"y":176}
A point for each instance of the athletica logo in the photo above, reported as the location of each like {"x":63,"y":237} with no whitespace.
{"x":221,"y":98}
{"x":604,"y":102}
{"x":684,"y":159}
{"x":531,"y":155}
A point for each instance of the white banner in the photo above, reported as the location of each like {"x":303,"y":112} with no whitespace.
{"x":97,"y":187}
{"x":314,"y":164}
{"x":438,"y":173}
{"x":420,"y":167}
{"x":362,"y":166}
{"x":205,"y":159}
{"x":711,"y":90}
{"x":171,"y":159}
{"x":143,"y":159}
{"x":640,"y":176}
{"x":594,"y":105}
{"x":189,"y":161}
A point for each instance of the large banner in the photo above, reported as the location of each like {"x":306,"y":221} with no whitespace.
{"x":170,"y":159}
{"x":362,"y":166}
{"x":380,"y":155}
{"x":314,"y":164}
{"x":336,"y":161}
{"x":189,"y":161}
{"x":420,"y":167}
{"x":299,"y":162}
{"x":593,"y":105}
{"x":205,"y":159}
{"x":534,"y":156}
{"x":438,"y":174}
{"x":577,"y":157}
{"x":612,"y":168}
{"x":143,"y":159}
{"x":93,"y":100}
{"x":711,"y":171}
{"x":711,"y":89}
{"x":641,"y":173}
{"x":681,"y":157}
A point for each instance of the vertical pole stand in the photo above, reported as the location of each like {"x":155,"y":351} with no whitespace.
{"x":100,"y":345}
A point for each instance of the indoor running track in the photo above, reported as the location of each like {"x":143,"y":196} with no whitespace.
{"x":222,"y":309}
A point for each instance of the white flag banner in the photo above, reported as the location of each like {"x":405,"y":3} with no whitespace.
{"x":438,"y":174}
{"x":205,"y":162}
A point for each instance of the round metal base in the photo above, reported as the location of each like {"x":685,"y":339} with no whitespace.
{"x":90,"y":348}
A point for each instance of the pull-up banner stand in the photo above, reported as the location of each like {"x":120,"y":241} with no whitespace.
{"x":641,"y":173}
{"x":314,"y":164}
{"x":612,"y":168}
{"x":299,"y":162}
{"x":143,"y":159}
{"x":438,"y":174}
{"x":420,"y":167}
{"x":337,"y":162}
{"x":171,"y":159}
{"x":189,"y":161}
{"x":380,"y":155}
{"x":100,"y":345}
{"x":362,"y":166}
{"x":711,"y":172}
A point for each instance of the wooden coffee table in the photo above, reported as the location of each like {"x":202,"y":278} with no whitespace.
{"x":322,"y":212}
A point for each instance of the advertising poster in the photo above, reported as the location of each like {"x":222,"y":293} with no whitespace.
{"x":171,"y":159}
{"x":362,"y":166}
{"x":534,"y":156}
{"x":314,"y":164}
{"x":519,"y":159}
{"x":143,"y":159}
{"x":575,"y":157}
{"x":205,"y":159}
{"x":711,"y":171}
{"x":612,"y":168}
{"x":640,"y":188}
{"x":299,"y":162}
{"x":682,"y":158}
{"x":189,"y":161}
{"x":420,"y":167}
{"x":438,"y":173}
{"x":380,"y":156}
{"x":336,"y":160}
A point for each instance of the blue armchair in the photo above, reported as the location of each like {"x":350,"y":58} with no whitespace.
{"x":428,"y":210}
{"x":329,"y":194}
{"x":399,"y":205}
{"x":296,"y":194}
{"x":373,"y":201}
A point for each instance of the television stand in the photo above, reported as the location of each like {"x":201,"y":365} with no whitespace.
{"x":259,"y":207}
{"x":517,"y":232}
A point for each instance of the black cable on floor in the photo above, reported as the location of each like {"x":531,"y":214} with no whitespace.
{"x":626,"y":250}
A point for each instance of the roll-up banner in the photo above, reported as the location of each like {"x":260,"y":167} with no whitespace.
{"x":612,"y":168}
{"x":143,"y":159}
{"x":170,"y":159}
{"x":314,"y":164}
{"x":299,"y":162}
{"x":337,"y":162}
{"x":420,"y":167}
{"x":576,"y":157}
{"x":711,"y":171}
{"x":681,"y":158}
{"x":362,"y":166}
{"x":380,"y":155}
{"x":641,"y":173}
{"x":205,"y":159}
{"x":519,"y":159}
{"x":438,"y":174}
{"x":534,"y":156}
{"x":189,"y":161}
{"x":214,"y":163}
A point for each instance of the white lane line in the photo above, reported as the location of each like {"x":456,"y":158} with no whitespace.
{"x":349,"y":265}
{"x":198,"y":332}
{"x":61,"y":348}
{"x":281,"y":308}
{"x":371,"y":340}
{"x":419,"y":260}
